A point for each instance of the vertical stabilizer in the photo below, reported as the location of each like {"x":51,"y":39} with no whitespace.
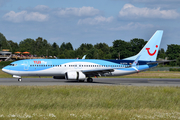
{"x":150,"y":50}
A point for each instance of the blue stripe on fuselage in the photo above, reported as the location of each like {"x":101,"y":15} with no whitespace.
{"x":128,"y":62}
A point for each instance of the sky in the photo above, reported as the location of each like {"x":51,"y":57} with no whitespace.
{"x":90,"y":21}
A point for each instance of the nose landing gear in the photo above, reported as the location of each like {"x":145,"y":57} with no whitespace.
{"x":18,"y":77}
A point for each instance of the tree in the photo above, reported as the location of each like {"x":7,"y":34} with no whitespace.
{"x":100,"y":54}
{"x":69,"y":46}
{"x":55,"y":49}
{"x":173,"y":52}
{"x":178,"y":60}
{"x":122,"y":47}
{"x":102,"y":46}
{"x":161,"y":53}
{"x":47,"y":48}
{"x":42,"y":47}
{"x":61,"y":56}
{"x":84,"y":49}
{"x":14,"y":46}
{"x":3,"y":42}
{"x":27,"y":45}
{"x":92,"y":54}
{"x":39,"y":46}
{"x":103,"y":50}
{"x":62,"y":47}
{"x":137,"y":45}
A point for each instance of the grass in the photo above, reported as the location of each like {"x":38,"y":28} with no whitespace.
{"x":147,"y":74}
{"x":92,"y":102}
{"x":4,"y":75}
{"x":89,"y":102}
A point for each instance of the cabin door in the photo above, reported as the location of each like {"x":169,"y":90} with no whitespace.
{"x":26,"y":66}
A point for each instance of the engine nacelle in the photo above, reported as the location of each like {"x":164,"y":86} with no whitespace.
{"x":59,"y":77}
{"x":74,"y":75}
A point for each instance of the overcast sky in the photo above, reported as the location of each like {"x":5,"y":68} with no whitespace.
{"x":90,"y":21}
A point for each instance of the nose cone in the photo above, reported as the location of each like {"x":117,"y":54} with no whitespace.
{"x":5,"y":69}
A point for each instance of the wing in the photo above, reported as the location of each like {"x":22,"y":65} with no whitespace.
{"x":98,"y":72}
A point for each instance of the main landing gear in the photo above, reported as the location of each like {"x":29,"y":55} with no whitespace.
{"x":89,"y":80}
{"x":19,"y":79}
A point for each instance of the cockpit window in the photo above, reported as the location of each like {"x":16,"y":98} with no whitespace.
{"x":13,"y":64}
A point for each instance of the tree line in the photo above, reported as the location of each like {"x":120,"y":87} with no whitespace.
{"x":120,"y":48}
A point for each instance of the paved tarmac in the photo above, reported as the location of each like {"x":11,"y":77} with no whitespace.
{"x":97,"y":81}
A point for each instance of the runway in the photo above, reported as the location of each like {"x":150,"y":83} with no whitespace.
{"x":97,"y":81}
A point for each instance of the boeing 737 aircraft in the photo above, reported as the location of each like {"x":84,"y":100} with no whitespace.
{"x":80,"y":69}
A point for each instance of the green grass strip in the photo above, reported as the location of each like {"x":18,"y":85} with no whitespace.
{"x":89,"y":102}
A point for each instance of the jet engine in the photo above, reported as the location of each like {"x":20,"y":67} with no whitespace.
{"x":74,"y":75}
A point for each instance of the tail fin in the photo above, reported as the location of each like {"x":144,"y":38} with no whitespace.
{"x":150,"y":50}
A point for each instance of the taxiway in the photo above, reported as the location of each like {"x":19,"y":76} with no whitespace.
{"x":97,"y":81}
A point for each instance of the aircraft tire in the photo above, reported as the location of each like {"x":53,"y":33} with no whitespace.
{"x":19,"y":79}
{"x":89,"y":80}
{"x":81,"y":80}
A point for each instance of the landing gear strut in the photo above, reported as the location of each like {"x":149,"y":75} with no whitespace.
{"x":89,"y":80}
{"x":18,"y":77}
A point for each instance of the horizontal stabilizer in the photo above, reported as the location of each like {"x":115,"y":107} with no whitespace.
{"x":164,"y":61}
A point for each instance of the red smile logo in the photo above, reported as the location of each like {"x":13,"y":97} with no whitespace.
{"x":151,"y":54}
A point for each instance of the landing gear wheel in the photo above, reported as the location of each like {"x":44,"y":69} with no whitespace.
{"x":19,"y":79}
{"x":81,"y":80}
{"x":89,"y":80}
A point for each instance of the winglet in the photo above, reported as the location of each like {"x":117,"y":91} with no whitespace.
{"x":84,"y":57}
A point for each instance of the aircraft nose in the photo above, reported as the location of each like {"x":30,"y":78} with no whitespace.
{"x":5,"y":69}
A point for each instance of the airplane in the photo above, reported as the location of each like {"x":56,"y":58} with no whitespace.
{"x":80,"y":69}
